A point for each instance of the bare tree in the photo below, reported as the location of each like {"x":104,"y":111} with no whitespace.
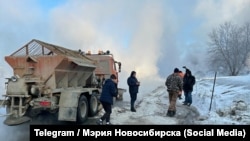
{"x":229,"y":48}
{"x":246,"y":44}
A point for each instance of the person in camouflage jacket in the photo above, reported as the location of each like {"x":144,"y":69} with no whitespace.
{"x":174,"y":85}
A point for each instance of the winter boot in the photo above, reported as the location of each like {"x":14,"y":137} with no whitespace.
{"x":173,"y":113}
{"x":99,"y":122}
{"x":108,"y":123}
{"x":169,"y":113}
{"x":133,"y":109}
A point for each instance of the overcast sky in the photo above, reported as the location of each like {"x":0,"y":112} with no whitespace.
{"x":151,"y":37}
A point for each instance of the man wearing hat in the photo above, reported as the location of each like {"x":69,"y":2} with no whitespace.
{"x":174,"y":86}
{"x":188,"y":84}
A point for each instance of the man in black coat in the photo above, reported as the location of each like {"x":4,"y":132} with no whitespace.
{"x":133,"y":84}
{"x":109,"y":90}
{"x":188,"y":83}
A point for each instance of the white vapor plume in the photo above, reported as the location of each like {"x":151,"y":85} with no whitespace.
{"x":81,"y":28}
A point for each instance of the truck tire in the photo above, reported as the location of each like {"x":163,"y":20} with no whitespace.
{"x":93,"y":105}
{"x":82,"y":109}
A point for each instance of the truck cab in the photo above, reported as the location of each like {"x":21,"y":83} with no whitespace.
{"x":106,"y":65}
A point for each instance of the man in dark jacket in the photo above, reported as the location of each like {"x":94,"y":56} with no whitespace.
{"x":133,"y":84}
{"x":109,"y":90}
{"x":188,"y":83}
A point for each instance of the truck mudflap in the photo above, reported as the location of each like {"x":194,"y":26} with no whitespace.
{"x":68,"y":105}
{"x":10,"y":121}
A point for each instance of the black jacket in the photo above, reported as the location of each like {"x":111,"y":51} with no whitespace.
{"x":188,"y":81}
{"x":133,"y":86}
{"x":109,"y":90}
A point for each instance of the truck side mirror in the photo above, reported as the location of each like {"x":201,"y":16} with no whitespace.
{"x":119,"y":64}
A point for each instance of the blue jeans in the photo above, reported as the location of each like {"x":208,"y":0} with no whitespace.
{"x":188,"y":97}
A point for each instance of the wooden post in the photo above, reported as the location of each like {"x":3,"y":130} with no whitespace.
{"x":212,"y":92}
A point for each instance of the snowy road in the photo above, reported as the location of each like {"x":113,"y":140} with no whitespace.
{"x":230,"y":105}
{"x":152,"y":109}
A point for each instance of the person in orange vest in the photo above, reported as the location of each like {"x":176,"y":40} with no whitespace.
{"x":181,"y":74}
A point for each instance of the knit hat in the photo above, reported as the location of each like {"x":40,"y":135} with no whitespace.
{"x":112,"y":76}
{"x":176,"y":70}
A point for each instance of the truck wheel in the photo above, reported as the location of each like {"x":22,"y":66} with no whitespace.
{"x":82,"y":109}
{"x":93,"y":105}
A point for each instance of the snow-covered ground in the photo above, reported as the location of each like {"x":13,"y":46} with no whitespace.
{"x":230,"y":104}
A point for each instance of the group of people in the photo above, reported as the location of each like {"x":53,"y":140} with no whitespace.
{"x":177,"y":83}
{"x":109,"y":90}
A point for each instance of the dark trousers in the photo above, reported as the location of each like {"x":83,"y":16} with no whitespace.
{"x":108,"y":110}
{"x":133,"y":97}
